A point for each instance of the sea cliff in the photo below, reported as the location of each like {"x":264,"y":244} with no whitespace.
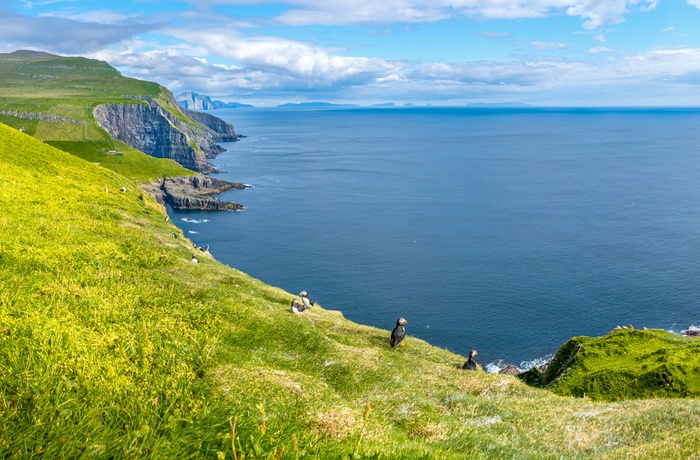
{"x":160,"y":129}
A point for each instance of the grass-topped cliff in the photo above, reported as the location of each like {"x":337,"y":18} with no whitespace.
{"x":113,"y":344}
{"x":86,"y":107}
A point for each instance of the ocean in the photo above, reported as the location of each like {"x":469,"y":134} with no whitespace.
{"x":507,"y":231}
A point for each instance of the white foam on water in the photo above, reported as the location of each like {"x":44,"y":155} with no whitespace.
{"x":527,"y":365}
{"x":189,"y":220}
{"x":194,"y":232}
{"x":494,"y":367}
{"x":498,"y":365}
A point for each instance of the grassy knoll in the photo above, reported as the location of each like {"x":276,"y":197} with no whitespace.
{"x":113,"y":344}
{"x":625,"y":364}
{"x":52,"y":98}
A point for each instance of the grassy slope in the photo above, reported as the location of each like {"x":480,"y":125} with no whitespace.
{"x":70,"y":88}
{"x":626,"y":364}
{"x":114,"y":344}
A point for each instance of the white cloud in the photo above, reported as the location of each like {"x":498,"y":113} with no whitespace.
{"x":308,"y":65}
{"x":599,"y":49}
{"x":63,"y":35}
{"x":599,"y":13}
{"x":545,"y":45}
{"x":695,"y":3}
{"x":32,"y":3}
{"x":596,"y":13}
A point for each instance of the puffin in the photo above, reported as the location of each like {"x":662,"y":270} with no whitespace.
{"x":398,"y":333}
{"x":305,"y":298}
{"x":194,"y":258}
{"x":470,"y":364}
{"x":297,"y":307}
{"x":206,"y":248}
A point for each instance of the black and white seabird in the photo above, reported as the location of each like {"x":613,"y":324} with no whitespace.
{"x":305,"y":298}
{"x":470,"y":364}
{"x":398,"y":333}
{"x":195,"y":259}
{"x":297,"y":307}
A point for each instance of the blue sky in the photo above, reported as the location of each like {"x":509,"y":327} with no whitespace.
{"x":443,"y":52}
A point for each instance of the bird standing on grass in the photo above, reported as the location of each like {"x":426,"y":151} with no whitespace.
{"x":470,"y":364}
{"x":195,"y":259}
{"x":398,"y":333}
{"x":308,"y":303}
{"x":297,"y":307}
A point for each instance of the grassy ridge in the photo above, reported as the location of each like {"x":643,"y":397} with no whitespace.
{"x":52,"y":98}
{"x":113,"y":344}
{"x":67,"y":79}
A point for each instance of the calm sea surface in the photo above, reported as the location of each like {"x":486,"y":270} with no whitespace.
{"x":507,"y":231}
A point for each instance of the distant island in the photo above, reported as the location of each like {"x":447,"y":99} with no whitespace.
{"x":316,"y":104}
{"x":498,"y":105}
{"x":195,"y":101}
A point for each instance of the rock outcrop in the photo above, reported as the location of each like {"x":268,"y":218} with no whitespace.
{"x":219,"y":130}
{"x":509,"y":370}
{"x":154,"y":127}
{"x":193,"y":192}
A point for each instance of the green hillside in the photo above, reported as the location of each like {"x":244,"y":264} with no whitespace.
{"x":113,"y":344}
{"x":52,"y":98}
{"x":625,"y":364}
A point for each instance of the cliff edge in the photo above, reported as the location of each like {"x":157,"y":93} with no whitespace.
{"x":161,"y":129}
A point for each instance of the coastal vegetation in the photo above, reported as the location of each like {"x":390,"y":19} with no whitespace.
{"x":113,"y":344}
{"x":624,"y":364}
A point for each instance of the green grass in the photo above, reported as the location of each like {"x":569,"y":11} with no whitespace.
{"x":132,"y":163}
{"x":68,"y":89}
{"x":113,"y":344}
{"x":625,"y":364}
{"x":66,"y":78}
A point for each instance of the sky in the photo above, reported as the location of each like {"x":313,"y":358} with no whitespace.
{"x":560,"y":53}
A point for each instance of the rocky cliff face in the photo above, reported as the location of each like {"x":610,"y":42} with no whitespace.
{"x":148,"y":126}
{"x":193,"y":192}
{"x":219,"y":130}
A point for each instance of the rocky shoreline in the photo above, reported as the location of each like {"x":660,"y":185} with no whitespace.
{"x":193,"y":193}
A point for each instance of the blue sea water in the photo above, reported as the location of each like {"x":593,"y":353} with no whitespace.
{"x":502,"y":230}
